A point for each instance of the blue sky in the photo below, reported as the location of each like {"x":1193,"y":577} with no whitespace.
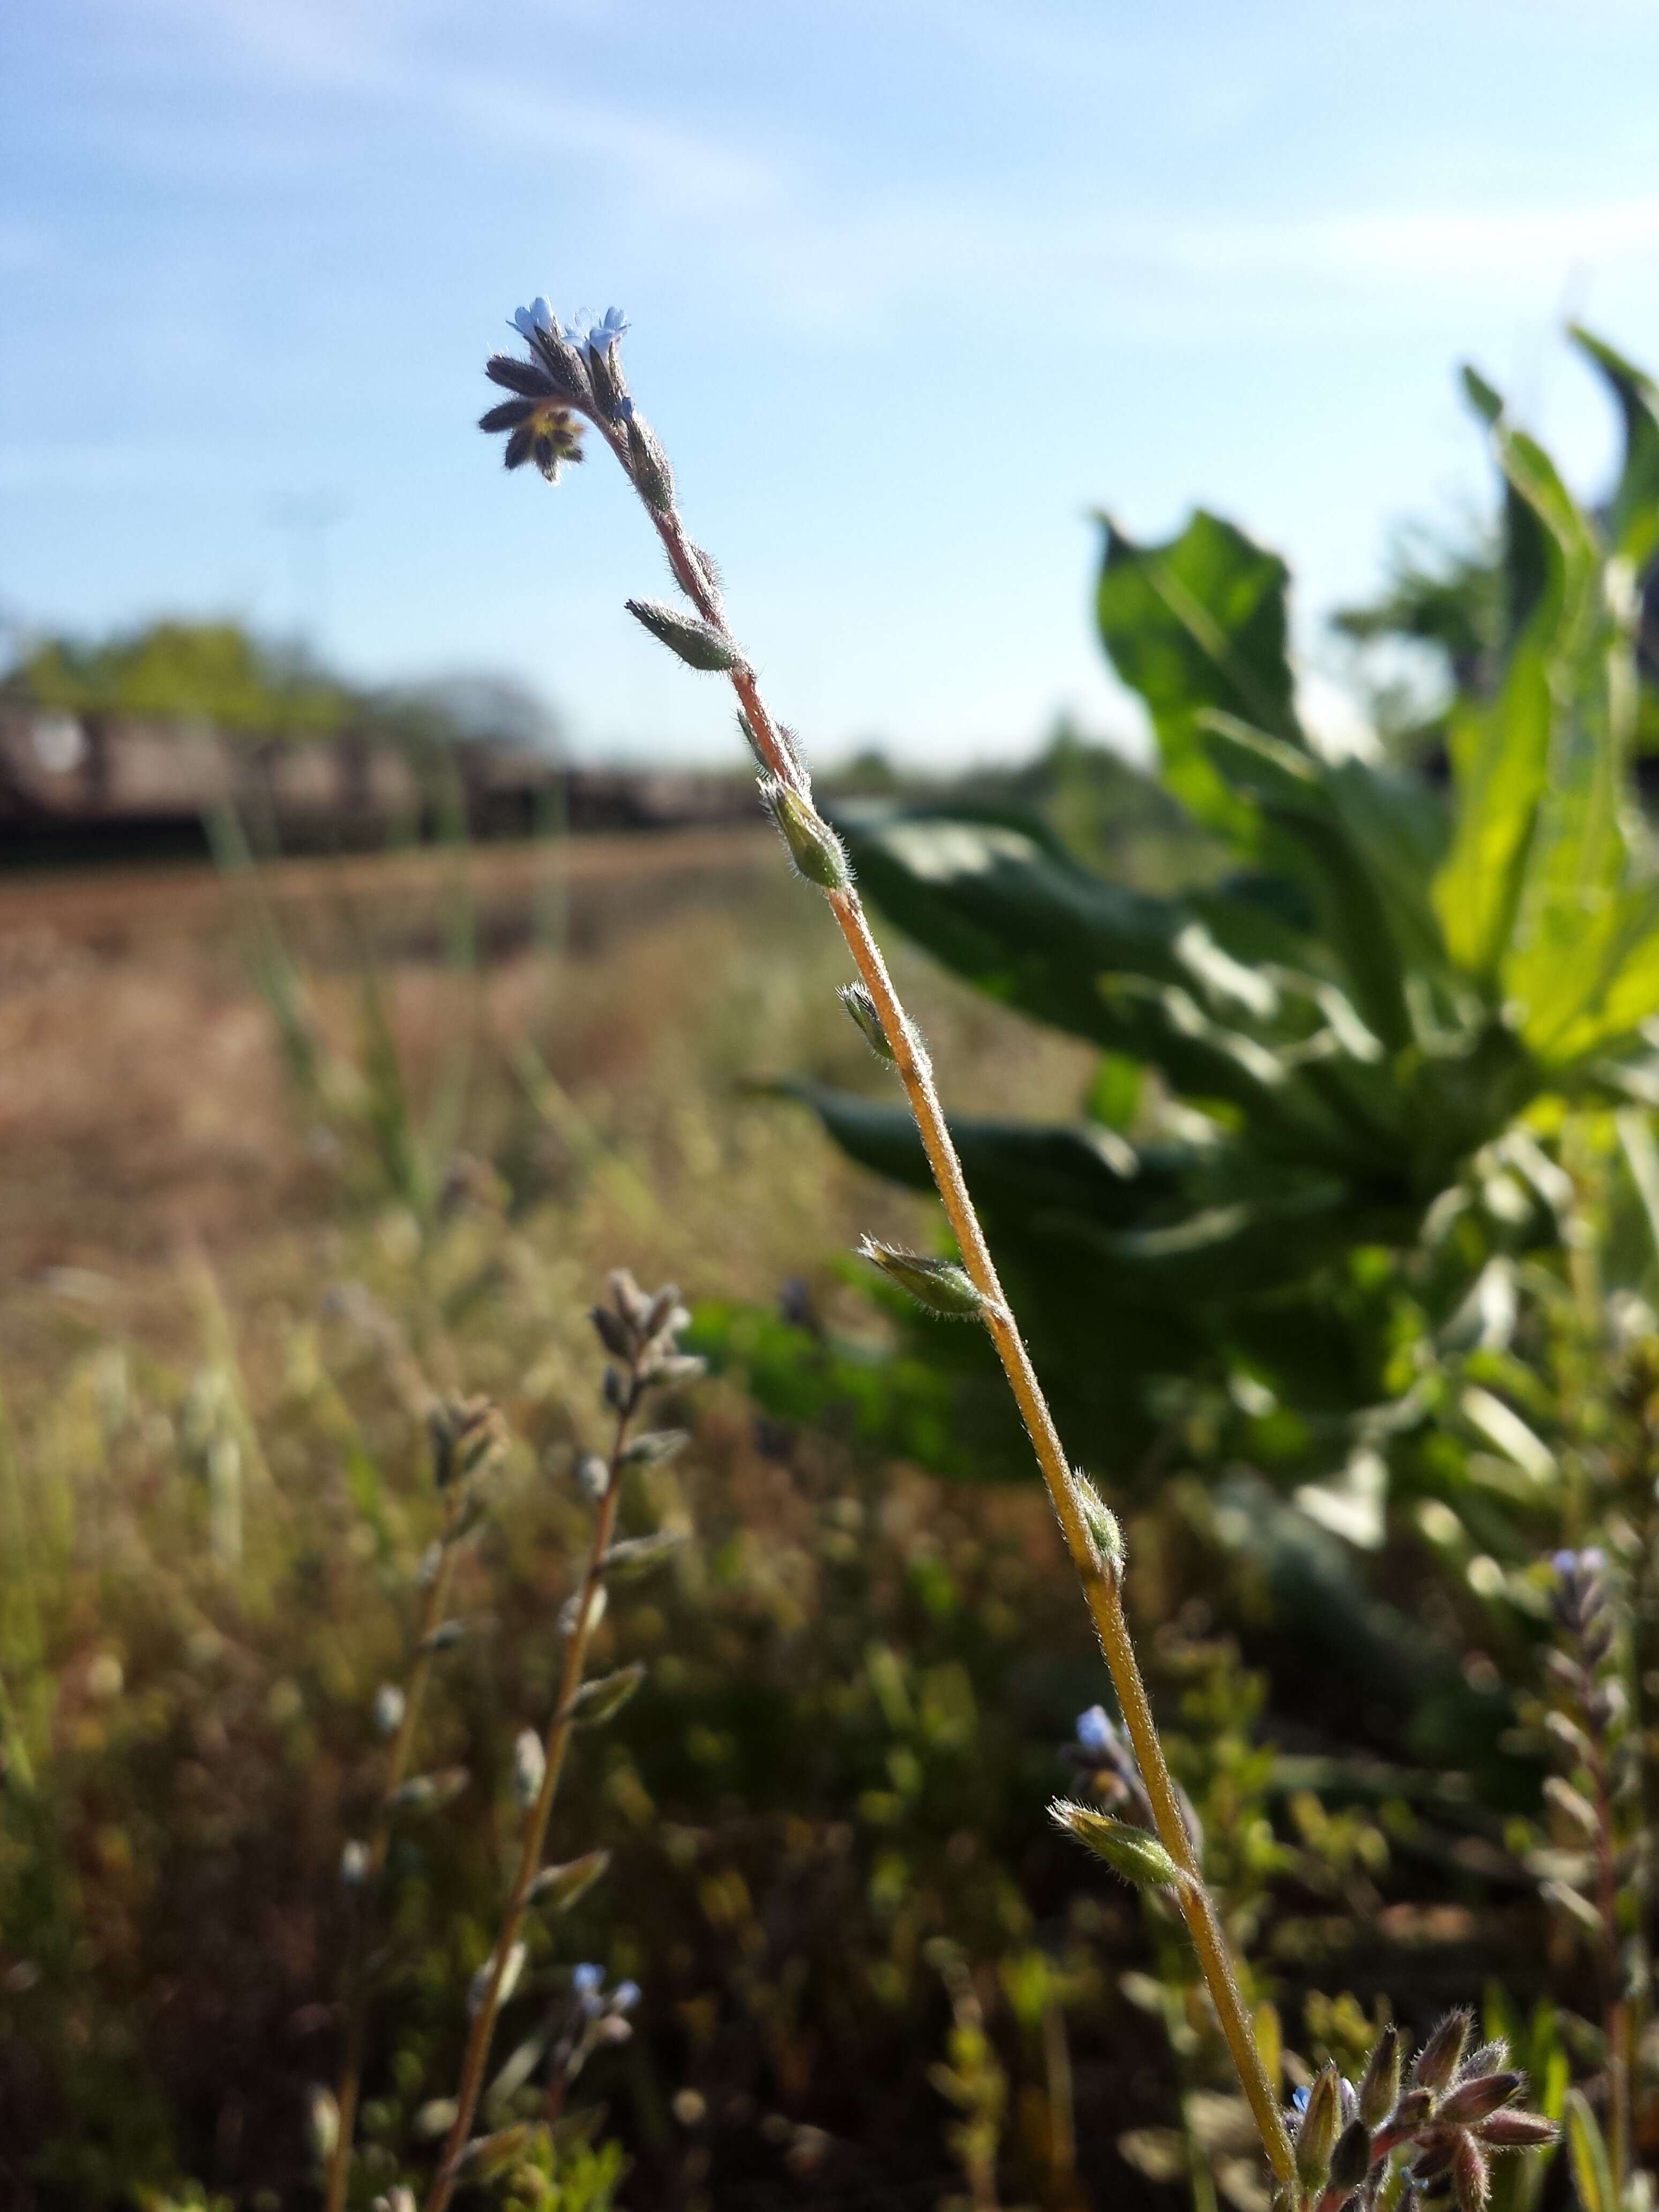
{"x":915,"y":285}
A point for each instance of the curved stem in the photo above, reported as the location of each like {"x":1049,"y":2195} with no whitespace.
{"x":1100,"y":1589}
{"x":351,"y":2068}
{"x":557,"y":1743}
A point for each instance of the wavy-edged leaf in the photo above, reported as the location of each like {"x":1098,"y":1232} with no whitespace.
{"x":1199,"y":623}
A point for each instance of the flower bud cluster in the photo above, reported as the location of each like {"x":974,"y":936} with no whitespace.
{"x":575,"y":370}
{"x":1440,"y":2123}
{"x":1593,"y":1796}
{"x":640,"y":1331}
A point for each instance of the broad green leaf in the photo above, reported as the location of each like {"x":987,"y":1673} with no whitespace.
{"x":1294,"y":789}
{"x":1632,"y":519}
{"x":1009,"y":1165}
{"x":1501,"y":749}
{"x":1199,"y":623}
{"x":1029,"y":926}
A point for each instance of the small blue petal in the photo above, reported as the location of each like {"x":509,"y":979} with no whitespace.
{"x":1299,"y":2100}
{"x":524,"y":320}
{"x":587,"y":1980}
{"x":541,"y":314}
{"x":1095,"y":1731}
{"x":624,"y":1997}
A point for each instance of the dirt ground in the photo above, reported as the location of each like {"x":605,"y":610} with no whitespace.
{"x":143,"y":1109}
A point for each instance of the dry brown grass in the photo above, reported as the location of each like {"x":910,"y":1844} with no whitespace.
{"x":145,"y":1116}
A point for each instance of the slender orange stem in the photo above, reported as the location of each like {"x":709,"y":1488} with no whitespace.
{"x":1100,"y":1587}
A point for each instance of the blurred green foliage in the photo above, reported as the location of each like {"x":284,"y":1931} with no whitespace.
{"x":1362,"y":1037}
{"x":211,"y":672}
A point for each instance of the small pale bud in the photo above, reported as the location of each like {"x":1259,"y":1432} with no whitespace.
{"x":1130,"y":1851}
{"x":592,"y":1476}
{"x":1573,"y":1805}
{"x":479,"y":1987}
{"x":570,"y":1612}
{"x":603,"y":1698}
{"x":529,"y":1766}
{"x":653,"y":1446}
{"x":698,"y":643}
{"x":814,"y":847}
{"x":558,"y":1887}
{"x":389,"y":1707}
{"x":638,"y":1555}
{"x":354,"y":1863}
{"x":429,"y":1792}
{"x":322,"y":2122}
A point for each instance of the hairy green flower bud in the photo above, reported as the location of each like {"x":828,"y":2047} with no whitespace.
{"x":1512,"y":2130}
{"x":1101,"y":1522}
{"x":1471,"y":2178}
{"x":1437,"y":2062}
{"x":653,"y":476}
{"x":698,"y":643}
{"x":867,"y":1019}
{"x":1130,"y":1851}
{"x":939,"y":1285}
{"x":1350,"y":2161}
{"x":813,"y":846}
{"x":1379,"y":2086}
{"x":1479,"y":2098}
{"x":1316,"y":2139}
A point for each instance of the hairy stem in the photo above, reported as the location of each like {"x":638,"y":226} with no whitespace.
{"x":556,"y":1744}
{"x":1100,"y":1587}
